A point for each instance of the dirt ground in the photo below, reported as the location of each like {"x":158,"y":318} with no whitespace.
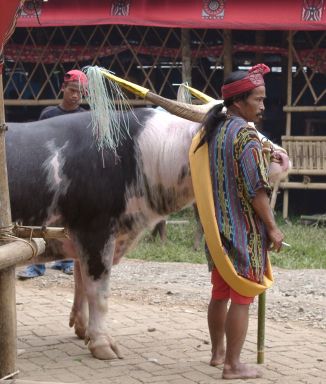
{"x":296,"y":296}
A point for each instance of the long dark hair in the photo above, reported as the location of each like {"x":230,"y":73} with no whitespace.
{"x":215,"y":115}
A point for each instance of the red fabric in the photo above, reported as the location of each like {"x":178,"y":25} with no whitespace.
{"x":223,"y":14}
{"x":253,"y":80}
{"x":7,"y":17}
{"x":222,"y":291}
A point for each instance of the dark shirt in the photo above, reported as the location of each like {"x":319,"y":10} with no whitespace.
{"x":57,"y":111}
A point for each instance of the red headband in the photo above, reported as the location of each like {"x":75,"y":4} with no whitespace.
{"x":253,"y":79}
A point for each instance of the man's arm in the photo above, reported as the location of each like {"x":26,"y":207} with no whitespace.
{"x":262,"y":208}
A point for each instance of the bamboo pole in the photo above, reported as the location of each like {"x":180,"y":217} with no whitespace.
{"x":8,"y":326}
{"x":310,"y":172}
{"x":289,"y":87}
{"x":304,"y":108}
{"x":260,"y":41}
{"x":20,"y":251}
{"x":186,"y":56}
{"x":44,"y":102}
{"x":43,"y":232}
{"x":261,"y":328}
{"x":298,"y":185}
{"x":227,"y":56}
{"x":288,"y":112}
{"x":262,"y":302}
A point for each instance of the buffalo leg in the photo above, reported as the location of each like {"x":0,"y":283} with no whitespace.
{"x":79,"y":311}
{"x":101,"y":345}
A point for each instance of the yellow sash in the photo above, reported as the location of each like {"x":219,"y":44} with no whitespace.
{"x":202,"y":185}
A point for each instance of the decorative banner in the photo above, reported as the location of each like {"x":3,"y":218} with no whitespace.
{"x":31,"y":9}
{"x":213,"y":9}
{"x":120,"y":8}
{"x":220,"y":14}
{"x":314,"y":59}
{"x":312,"y":10}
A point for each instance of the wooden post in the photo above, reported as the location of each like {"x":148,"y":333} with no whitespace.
{"x":288,"y":115}
{"x":261,"y":328}
{"x":227,"y":57}
{"x":289,"y":84}
{"x":186,"y":56}
{"x":262,"y":302}
{"x":8,"y":326}
{"x":260,"y":41}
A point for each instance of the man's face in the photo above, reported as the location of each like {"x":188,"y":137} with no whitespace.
{"x":72,"y":94}
{"x":252,"y":108}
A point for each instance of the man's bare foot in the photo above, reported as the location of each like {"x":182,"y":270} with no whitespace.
{"x":218,"y":358}
{"x":241,"y":371}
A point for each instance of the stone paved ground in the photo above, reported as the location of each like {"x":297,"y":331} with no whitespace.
{"x":162,"y":332}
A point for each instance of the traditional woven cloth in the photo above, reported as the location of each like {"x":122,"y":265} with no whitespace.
{"x":238,"y":170}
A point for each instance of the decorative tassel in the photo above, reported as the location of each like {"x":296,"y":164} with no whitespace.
{"x":184,"y":94}
{"x":108,"y":106}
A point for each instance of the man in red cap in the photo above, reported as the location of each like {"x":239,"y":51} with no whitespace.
{"x":74,"y":83}
{"x":245,"y":220}
{"x":73,"y":87}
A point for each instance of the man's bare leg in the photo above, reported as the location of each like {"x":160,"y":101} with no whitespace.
{"x":216,"y":316}
{"x":236,"y":327}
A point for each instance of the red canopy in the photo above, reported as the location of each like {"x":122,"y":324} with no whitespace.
{"x":223,"y":14}
{"x":7,"y":18}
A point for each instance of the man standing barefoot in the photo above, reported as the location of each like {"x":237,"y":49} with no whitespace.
{"x":246,"y":223}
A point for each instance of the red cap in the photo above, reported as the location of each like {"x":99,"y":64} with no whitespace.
{"x":75,"y":75}
{"x":252,"y":80}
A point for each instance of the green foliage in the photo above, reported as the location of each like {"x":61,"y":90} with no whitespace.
{"x":308,"y":244}
{"x":178,"y":246}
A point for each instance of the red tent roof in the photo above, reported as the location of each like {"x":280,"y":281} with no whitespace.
{"x":7,"y":16}
{"x":222,"y":14}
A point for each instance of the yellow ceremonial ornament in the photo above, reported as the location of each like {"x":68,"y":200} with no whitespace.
{"x":202,"y":185}
{"x":134,"y":88}
{"x":200,"y":95}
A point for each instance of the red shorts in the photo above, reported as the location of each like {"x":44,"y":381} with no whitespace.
{"x":222,"y":291}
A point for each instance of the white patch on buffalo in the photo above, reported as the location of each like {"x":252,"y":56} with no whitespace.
{"x":54,"y":219}
{"x":164,"y":146}
{"x":55,"y":166}
{"x":57,"y":182}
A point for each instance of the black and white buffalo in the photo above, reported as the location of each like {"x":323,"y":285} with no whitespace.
{"x":57,"y":176}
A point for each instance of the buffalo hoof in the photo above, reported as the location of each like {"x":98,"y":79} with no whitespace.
{"x":79,"y":324}
{"x":103,"y":348}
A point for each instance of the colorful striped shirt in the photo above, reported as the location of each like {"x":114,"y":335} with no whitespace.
{"x":238,"y":171}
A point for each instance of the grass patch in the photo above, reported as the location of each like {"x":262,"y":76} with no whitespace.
{"x":308,"y":244}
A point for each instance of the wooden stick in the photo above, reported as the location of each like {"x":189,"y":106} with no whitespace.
{"x":20,"y":250}
{"x":44,"y":232}
{"x":262,"y":303}
{"x":298,"y":185}
{"x":261,"y":328}
{"x":289,"y":85}
{"x":290,"y":108}
{"x":8,"y":327}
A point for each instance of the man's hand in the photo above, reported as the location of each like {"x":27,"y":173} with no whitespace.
{"x":262,"y":208}
{"x":275,"y":237}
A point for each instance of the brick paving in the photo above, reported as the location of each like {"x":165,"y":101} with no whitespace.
{"x":160,"y":344}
